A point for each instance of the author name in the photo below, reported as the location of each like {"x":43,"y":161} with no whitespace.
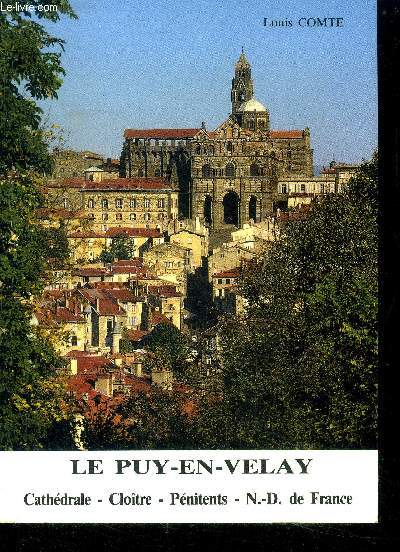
{"x":311,"y":22}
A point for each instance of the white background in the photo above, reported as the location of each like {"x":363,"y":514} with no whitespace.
{"x":331,"y":472}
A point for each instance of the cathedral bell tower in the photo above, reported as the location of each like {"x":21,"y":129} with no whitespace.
{"x":249,"y":113}
{"x":242,"y":83}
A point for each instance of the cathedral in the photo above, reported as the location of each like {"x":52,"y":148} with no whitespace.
{"x":229,"y":175}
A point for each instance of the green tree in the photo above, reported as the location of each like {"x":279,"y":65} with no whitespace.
{"x":121,"y":248}
{"x":30,"y":70}
{"x":153,"y":420}
{"x":300,"y":368}
{"x":168,"y":339}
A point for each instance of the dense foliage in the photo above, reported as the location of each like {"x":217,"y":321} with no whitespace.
{"x":121,"y":248}
{"x":153,"y":420}
{"x":32,"y":399}
{"x":300,"y":368}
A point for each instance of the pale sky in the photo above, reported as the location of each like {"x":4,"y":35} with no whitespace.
{"x":159,"y":63}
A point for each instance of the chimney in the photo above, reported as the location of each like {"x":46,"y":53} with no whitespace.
{"x":104,"y":384}
{"x":73,"y":366}
{"x":116,"y":337}
{"x":162,"y":377}
{"x":138,"y":369}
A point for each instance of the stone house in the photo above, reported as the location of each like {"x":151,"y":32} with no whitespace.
{"x":197,"y":244}
{"x":170,"y":262}
{"x":117,"y":202}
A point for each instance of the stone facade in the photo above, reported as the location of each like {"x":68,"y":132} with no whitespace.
{"x":70,"y":163}
{"x":171,"y":262}
{"x":117,"y":202}
{"x":302,"y":190}
{"x":73,"y":164}
{"x":229,"y":175}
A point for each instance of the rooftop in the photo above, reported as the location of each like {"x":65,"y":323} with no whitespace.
{"x":115,"y":184}
{"x":161,"y":133}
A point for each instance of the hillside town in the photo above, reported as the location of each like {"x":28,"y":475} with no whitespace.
{"x":159,"y":238}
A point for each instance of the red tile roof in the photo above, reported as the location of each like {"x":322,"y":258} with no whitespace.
{"x":164,"y":291}
{"x":137,"y":261}
{"x":286,"y":134}
{"x":118,"y":231}
{"x":161,"y":133}
{"x":106,"y":305}
{"x":75,"y":353}
{"x":158,"y":318}
{"x":114,"y":184}
{"x":301,"y":212}
{"x":135,"y":335}
{"x":64,"y":314}
{"x":134,"y":232}
{"x":124,"y":295}
{"x":93,"y":364}
{"x":129,"y":184}
{"x":47,"y":316}
{"x":235,"y":273}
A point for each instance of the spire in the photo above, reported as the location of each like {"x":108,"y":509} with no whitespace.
{"x":242,"y":62}
{"x":242,"y":84}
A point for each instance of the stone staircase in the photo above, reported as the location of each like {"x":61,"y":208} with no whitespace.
{"x":219,"y":236}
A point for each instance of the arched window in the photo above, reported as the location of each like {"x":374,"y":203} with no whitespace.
{"x":133,"y":216}
{"x":74,"y":341}
{"x":206,"y":171}
{"x":254,"y":169}
{"x":104,"y":203}
{"x":253,"y":208}
{"x":198,"y":150}
{"x":118,"y":216}
{"x":140,"y":172}
{"x":90,"y":203}
{"x":208,"y":209}
{"x":231,"y":208}
{"x":260,"y":123}
{"x":229,"y":147}
{"x":251,"y":124}
{"x":230,"y":170}
{"x":210,"y":150}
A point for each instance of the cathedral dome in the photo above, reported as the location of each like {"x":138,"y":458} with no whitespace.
{"x":251,"y":105}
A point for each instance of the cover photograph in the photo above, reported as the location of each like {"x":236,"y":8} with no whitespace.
{"x":189,"y":261}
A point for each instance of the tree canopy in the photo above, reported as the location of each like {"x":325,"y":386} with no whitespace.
{"x":30,"y":70}
{"x":121,"y":248}
{"x":300,"y":368}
